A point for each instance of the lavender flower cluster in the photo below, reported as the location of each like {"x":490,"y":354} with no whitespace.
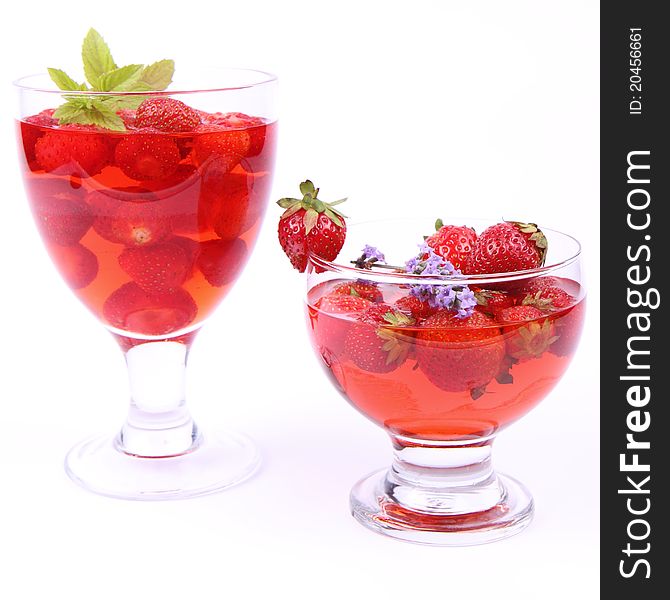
{"x":370,"y":252}
{"x":453,"y":297}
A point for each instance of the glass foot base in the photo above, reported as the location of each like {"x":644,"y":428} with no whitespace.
{"x":221,"y":460}
{"x":372,"y":507}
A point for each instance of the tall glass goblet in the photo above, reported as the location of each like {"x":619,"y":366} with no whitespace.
{"x":441,"y":386}
{"x":150,"y":227}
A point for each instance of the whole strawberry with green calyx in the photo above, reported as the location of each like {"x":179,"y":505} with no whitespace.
{"x":310,"y":225}
{"x":452,"y":242}
{"x":507,"y":247}
{"x":376,"y":342}
{"x":529,"y":333}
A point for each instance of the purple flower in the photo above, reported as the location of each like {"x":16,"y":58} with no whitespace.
{"x":370,"y":256}
{"x":458,"y":298}
{"x":370,"y":252}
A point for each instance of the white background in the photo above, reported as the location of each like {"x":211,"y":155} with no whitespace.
{"x":485,"y":108}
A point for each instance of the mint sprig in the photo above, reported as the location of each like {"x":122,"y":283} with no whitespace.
{"x":104,"y":75}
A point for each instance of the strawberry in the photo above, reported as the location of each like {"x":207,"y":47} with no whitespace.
{"x":413,"y":306}
{"x":147,"y":156}
{"x":77,"y":264}
{"x":166,"y":114}
{"x":184,"y":178}
{"x":221,"y":261}
{"x":128,"y":117}
{"x":229,"y":220}
{"x":507,"y":247}
{"x":259,"y":190}
{"x":542,"y":283}
{"x":259,"y":138}
{"x":527,"y":330}
{"x":31,"y":130}
{"x":492,"y":301}
{"x":224,"y":201}
{"x":362,"y":289}
{"x":132,"y":309}
{"x":255,"y":126}
{"x":178,"y":198}
{"x":549,"y":295}
{"x":192,"y":249}
{"x":240,"y":206}
{"x":546,"y":293}
{"x":44,"y":118}
{"x":158,"y":268}
{"x":231,"y":120}
{"x":185,"y":145}
{"x":339,"y":303}
{"x":459,"y":355}
{"x":262,"y":145}
{"x":331,"y":332}
{"x":63,"y":217}
{"x":453,"y":243}
{"x":129,"y":216}
{"x":73,"y":152}
{"x":569,"y":324}
{"x":310,"y":226}
{"x":224,"y":146}
{"x":376,"y":343}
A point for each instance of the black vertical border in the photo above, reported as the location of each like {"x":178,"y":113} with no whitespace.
{"x":622,"y":133}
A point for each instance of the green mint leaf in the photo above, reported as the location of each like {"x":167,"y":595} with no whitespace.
{"x":64,"y":81}
{"x":117,"y":103}
{"x":70,"y":111}
{"x":156,"y":76}
{"x":104,"y":75}
{"x":122,"y":79}
{"x":96,"y":56}
{"x":103,"y":116}
{"x":89,"y":111}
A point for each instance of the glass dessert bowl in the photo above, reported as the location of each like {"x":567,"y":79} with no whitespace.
{"x":442,"y":382}
{"x":150,"y":224}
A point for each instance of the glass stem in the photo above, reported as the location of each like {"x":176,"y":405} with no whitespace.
{"x":158,"y":423}
{"x":443,"y":479}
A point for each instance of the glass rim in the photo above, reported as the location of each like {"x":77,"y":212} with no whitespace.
{"x":412,"y":278}
{"x":265,"y":77}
